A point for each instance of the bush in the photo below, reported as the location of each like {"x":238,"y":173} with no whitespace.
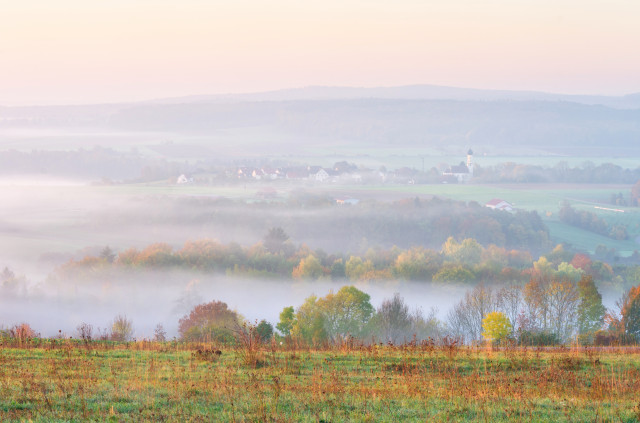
{"x":538,"y":338}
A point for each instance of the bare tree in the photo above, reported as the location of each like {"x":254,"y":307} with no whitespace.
{"x":465,"y":320}
{"x":121,"y":328}
{"x":159,"y":334}
{"x":394,"y":319}
{"x":85,"y":331}
{"x":509,"y":301}
{"x":563,"y":298}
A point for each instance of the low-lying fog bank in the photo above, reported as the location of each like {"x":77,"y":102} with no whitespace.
{"x":149,"y":298}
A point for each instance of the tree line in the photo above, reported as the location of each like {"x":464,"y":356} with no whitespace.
{"x":276,"y":257}
{"x":591,"y":222}
{"x":545,"y":311}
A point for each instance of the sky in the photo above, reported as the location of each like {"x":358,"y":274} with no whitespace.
{"x":92,"y":51}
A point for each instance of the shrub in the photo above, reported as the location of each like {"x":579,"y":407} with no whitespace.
{"x":538,"y":338}
{"x":121,"y":329}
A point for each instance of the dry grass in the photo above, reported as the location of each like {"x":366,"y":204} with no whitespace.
{"x":62,"y":380}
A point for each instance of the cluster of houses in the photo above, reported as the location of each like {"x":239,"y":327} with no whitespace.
{"x":313,"y":173}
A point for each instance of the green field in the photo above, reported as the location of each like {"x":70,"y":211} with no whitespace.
{"x":66,"y":381}
{"x":546,"y":200}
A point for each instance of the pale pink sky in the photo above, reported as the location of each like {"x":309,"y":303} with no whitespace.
{"x":86,"y":51}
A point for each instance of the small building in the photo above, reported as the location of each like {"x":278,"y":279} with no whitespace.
{"x":498,"y":204}
{"x":347,"y":201}
{"x":321,"y":175}
{"x":182,"y":179}
{"x":462,"y":172}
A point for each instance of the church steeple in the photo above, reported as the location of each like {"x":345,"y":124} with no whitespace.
{"x":470,"y":161}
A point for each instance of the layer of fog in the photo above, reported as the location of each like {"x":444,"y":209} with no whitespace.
{"x":152,"y":297}
{"x":43,"y":226}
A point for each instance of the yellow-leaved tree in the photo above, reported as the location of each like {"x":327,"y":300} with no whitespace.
{"x":496,"y":326}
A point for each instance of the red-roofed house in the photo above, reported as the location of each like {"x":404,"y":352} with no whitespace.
{"x":498,"y":204}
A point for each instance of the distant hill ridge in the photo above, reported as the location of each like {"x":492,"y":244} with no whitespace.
{"x":407,"y":92}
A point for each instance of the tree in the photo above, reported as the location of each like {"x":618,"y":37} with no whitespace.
{"x":107,"y":254}
{"x":211,"y":321}
{"x":159,"y":334}
{"x":468,"y":251}
{"x":274,"y":240}
{"x":310,"y":322}
{"x":454,"y":273}
{"x":287,"y":321}
{"x":635,"y":194}
{"x":563,"y":300}
{"x":393,"y":319}
{"x":567,"y":271}
{"x":309,"y":268}
{"x":121,"y":328}
{"x":496,"y":326}
{"x":551,"y":305}
{"x":591,"y":311}
{"x":333,"y":317}
{"x":465,"y":319}
{"x":346,"y":312}
{"x":416,"y":264}
{"x":508,"y":300}
{"x":631,"y":312}
{"x":264,"y":330}
{"x":356,"y":268}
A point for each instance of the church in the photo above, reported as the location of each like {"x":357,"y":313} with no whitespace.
{"x":462,"y":172}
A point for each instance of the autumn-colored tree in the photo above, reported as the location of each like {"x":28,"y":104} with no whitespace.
{"x":568,"y":272}
{"x":211,"y":321}
{"x":356,"y":268}
{"x":536,"y":305}
{"x":454,"y":273}
{"x":496,"y":326}
{"x":309,"y":268}
{"x":581,"y":261}
{"x":158,"y":254}
{"x":416,"y":264}
{"x":468,"y":251}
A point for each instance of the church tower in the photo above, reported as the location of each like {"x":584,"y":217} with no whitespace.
{"x":470,"y":162}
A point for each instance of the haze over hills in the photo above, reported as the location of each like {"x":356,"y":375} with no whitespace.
{"x":440,"y":118}
{"x":409,"y":92}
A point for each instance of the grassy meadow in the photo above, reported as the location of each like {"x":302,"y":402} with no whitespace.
{"x":67,"y":380}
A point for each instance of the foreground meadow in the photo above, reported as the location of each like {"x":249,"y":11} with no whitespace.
{"x":65,"y":380}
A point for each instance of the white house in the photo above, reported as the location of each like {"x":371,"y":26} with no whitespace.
{"x":321,"y":175}
{"x":498,"y":204}
{"x":182,"y":179}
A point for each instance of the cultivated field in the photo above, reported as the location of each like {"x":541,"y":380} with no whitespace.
{"x":65,"y":380}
